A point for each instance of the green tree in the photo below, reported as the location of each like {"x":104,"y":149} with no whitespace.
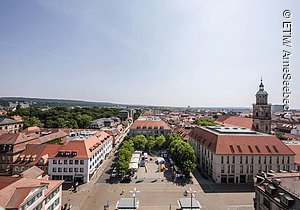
{"x":31,"y":121}
{"x":151,"y":143}
{"x":204,"y":122}
{"x":140,"y":142}
{"x":183,"y":155}
{"x":160,"y":142}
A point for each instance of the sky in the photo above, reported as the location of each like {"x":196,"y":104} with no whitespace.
{"x":160,"y":52}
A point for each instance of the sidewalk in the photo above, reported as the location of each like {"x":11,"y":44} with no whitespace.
{"x":78,"y":198}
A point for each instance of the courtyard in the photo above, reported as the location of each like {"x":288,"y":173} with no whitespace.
{"x":158,"y":191}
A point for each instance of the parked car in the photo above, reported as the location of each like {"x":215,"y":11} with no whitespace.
{"x":114,"y":173}
{"x":126,"y":179}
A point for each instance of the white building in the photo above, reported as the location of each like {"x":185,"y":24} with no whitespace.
{"x":235,"y":155}
{"x":30,"y":193}
{"x":79,"y":159}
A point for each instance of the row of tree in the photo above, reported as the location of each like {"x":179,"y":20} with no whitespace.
{"x":141,"y":143}
{"x":63,"y":117}
{"x":182,"y":153}
{"x":124,"y":155}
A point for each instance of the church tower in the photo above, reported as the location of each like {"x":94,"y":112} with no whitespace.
{"x":262,"y":111}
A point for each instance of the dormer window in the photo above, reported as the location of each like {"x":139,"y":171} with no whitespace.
{"x":270,"y":189}
{"x":285,"y":198}
{"x":144,"y":127}
{"x":138,"y":127}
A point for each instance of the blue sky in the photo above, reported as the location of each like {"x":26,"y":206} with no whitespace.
{"x":158,"y":52}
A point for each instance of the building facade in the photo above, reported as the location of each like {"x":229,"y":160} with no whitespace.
{"x":12,"y":144}
{"x":30,"y":193}
{"x":277,"y":191}
{"x":262,"y":111}
{"x":79,"y":159}
{"x":10,"y":125}
{"x":150,"y":126}
{"x":235,"y":155}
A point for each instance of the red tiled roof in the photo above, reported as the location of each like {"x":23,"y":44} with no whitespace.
{"x":292,"y":136}
{"x":9,"y":189}
{"x":7,"y":180}
{"x":235,"y":121}
{"x":32,"y":172}
{"x":18,"y":197}
{"x":82,"y":147}
{"x":39,"y":151}
{"x":2,"y":132}
{"x":253,"y":144}
{"x":147,"y":123}
{"x":148,"y":113}
{"x":296,"y":150}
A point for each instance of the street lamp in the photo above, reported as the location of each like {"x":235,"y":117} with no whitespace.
{"x":190,"y":191}
{"x":134,"y":192}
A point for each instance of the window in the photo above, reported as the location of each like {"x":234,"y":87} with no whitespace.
{"x":233,"y":159}
{"x":222,"y":169}
{"x":270,"y":160}
{"x":222,"y":159}
{"x":65,"y":169}
{"x":59,"y":161}
{"x":233,"y":169}
{"x":252,"y":159}
{"x":259,"y":160}
{"x":54,"y":169}
{"x":81,"y":162}
{"x":65,"y":162}
{"x":277,"y":159}
{"x":81,"y":169}
{"x":227,"y":159}
{"x":76,"y":162}
{"x":54,"y":161}
{"x":76,"y":169}
{"x":251,"y":169}
{"x":241,"y":159}
{"x":59,"y":169}
{"x":246,"y":159}
{"x":71,"y":162}
{"x":70,"y":169}
{"x":241,"y":169}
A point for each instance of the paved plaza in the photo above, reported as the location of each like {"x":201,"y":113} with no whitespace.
{"x":158,"y":195}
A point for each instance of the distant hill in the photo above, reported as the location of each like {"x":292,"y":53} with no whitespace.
{"x":53,"y":102}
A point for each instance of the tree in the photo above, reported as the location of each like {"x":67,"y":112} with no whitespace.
{"x":124,"y":155}
{"x":160,"y":141}
{"x":183,"y":154}
{"x":204,"y":122}
{"x":31,"y":121}
{"x":140,"y":142}
{"x":151,"y":143}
